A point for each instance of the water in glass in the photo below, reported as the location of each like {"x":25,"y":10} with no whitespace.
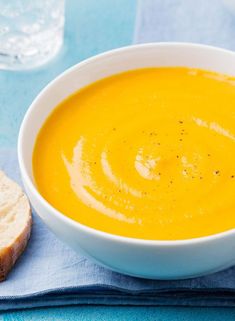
{"x":31,"y":32}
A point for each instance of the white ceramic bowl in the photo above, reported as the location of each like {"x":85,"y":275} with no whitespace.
{"x":142,"y":258}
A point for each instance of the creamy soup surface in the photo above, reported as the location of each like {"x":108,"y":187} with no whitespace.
{"x":148,"y":154}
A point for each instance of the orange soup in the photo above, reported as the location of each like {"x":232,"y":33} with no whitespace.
{"x":148,"y":153}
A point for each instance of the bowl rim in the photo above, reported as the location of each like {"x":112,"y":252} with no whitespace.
{"x":65,"y":219}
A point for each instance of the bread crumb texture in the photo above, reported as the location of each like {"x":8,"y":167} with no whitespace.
{"x":15,"y":223}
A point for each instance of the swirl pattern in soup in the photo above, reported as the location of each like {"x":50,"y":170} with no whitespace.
{"x":148,"y":153}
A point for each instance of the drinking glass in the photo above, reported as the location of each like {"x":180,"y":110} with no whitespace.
{"x":31,"y":32}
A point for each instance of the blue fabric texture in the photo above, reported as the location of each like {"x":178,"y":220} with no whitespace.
{"x":50,"y":274}
{"x":202,"y":21}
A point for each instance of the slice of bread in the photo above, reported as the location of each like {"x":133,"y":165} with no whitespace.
{"x":15,"y":223}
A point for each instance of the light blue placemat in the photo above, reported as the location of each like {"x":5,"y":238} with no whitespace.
{"x":50,"y":274}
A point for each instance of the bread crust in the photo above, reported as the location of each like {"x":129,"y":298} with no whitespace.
{"x":12,"y":251}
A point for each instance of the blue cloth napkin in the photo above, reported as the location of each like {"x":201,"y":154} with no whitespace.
{"x":50,"y":274}
{"x":203,"y":21}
